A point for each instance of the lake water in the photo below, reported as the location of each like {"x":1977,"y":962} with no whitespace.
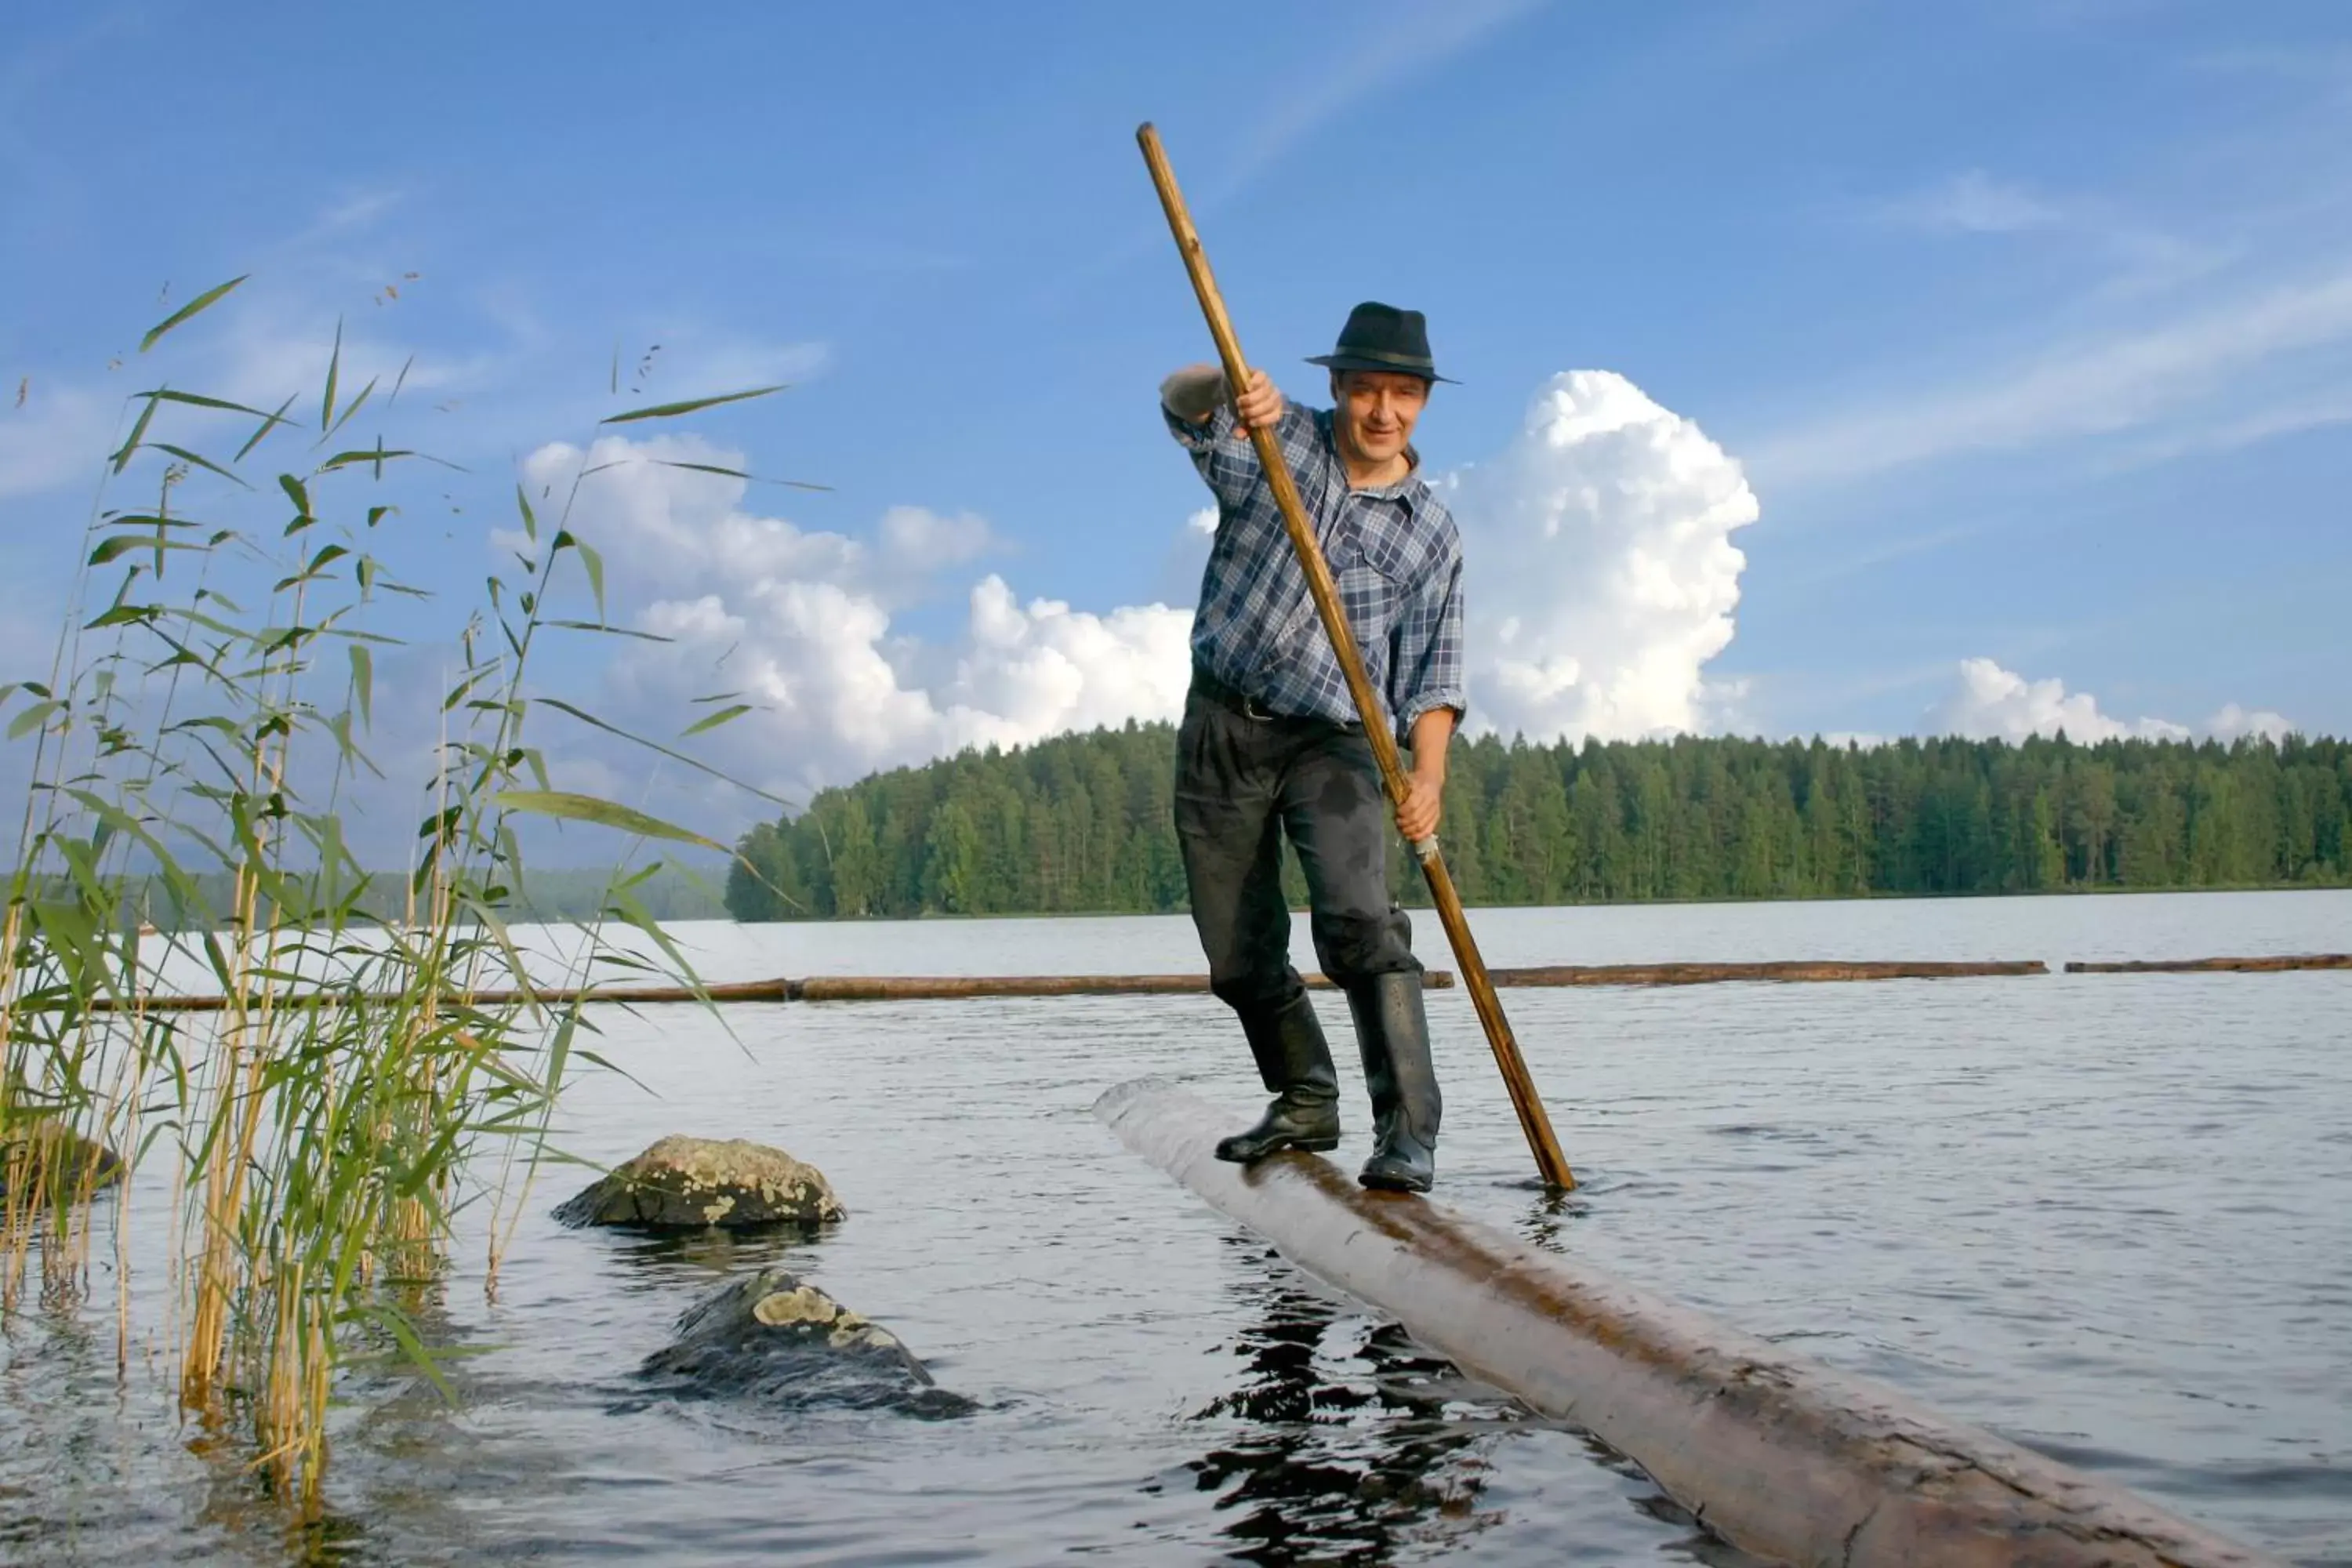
{"x":2107,"y":1216}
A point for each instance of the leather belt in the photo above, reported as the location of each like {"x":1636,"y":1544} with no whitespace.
{"x":1251,"y":708}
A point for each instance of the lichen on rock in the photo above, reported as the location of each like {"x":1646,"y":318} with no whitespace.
{"x":688,"y":1184}
{"x":774,"y":1338}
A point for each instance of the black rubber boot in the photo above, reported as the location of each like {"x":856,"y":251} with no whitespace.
{"x":1294,"y":1063}
{"x":1392,"y":1033}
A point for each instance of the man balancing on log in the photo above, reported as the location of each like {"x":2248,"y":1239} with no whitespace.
{"x":1272,"y":745}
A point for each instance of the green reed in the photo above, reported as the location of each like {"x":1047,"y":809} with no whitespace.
{"x":196,"y":746}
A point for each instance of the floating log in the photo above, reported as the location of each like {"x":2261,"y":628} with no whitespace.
{"x":937,"y":987}
{"x":2217,"y":966}
{"x":815,"y":988}
{"x":1779,"y":1455}
{"x":731,"y":991}
{"x":957,"y":987}
{"x":1779,"y":970}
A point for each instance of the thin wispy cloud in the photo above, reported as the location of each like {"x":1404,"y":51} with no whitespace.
{"x":1847,"y":564}
{"x":35,"y":64}
{"x":2290,"y":416}
{"x":1973,"y":203}
{"x":2139,"y":258}
{"x":1409,"y":41}
{"x":697,"y":362}
{"x":348,"y":215}
{"x":56,"y":439}
{"x":2093,"y":387}
{"x":1414,"y":40}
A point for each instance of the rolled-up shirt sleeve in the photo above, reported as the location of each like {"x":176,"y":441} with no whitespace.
{"x":1425,"y":655}
{"x":1222,"y":452}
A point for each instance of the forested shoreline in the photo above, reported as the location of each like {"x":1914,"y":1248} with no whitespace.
{"x":1082,"y":823}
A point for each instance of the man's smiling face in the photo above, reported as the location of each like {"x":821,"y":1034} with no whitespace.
{"x":1377,"y":410}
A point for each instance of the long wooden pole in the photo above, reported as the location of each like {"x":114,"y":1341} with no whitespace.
{"x":1549,"y":1162}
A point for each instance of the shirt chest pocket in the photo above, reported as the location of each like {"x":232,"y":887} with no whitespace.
{"x":1370,"y":563}
{"x":1377,"y":533}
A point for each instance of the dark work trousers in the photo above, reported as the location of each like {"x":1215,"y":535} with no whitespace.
{"x":1242,"y":783}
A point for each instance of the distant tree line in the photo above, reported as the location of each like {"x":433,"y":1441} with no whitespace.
{"x":1082,"y":823}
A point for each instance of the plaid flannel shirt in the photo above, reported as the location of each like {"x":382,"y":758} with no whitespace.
{"x":1394,"y":551}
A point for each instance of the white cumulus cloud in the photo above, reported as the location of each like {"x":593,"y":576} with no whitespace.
{"x":2233,"y":722}
{"x":1989,"y":702}
{"x":1039,"y":670}
{"x":1600,"y":568}
{"x":800,"y":623}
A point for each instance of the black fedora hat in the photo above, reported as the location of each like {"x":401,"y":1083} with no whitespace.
{"x":1381,"y":337}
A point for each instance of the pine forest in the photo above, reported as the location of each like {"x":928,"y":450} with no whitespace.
{"x":1081,"y":824}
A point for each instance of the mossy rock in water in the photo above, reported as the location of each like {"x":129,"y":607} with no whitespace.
{"x":686,"y":1183}
{"x":777,"y":1340}
{"x":61,"y":1162}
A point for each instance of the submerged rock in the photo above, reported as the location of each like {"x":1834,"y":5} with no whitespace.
{"x":71,"y":1164}
{"x":690,"y":1183}
{"x":775,"y":1339}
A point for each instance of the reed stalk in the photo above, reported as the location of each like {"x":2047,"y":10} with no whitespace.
{"x":199,"y":740}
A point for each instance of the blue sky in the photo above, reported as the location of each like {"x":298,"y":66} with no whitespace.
{"x":2028,"y":325}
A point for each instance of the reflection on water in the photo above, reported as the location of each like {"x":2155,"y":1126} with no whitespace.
{"x":1546,"y":1223}
{"x":1344,"y":1442}
{"x":1353,"y":1442}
